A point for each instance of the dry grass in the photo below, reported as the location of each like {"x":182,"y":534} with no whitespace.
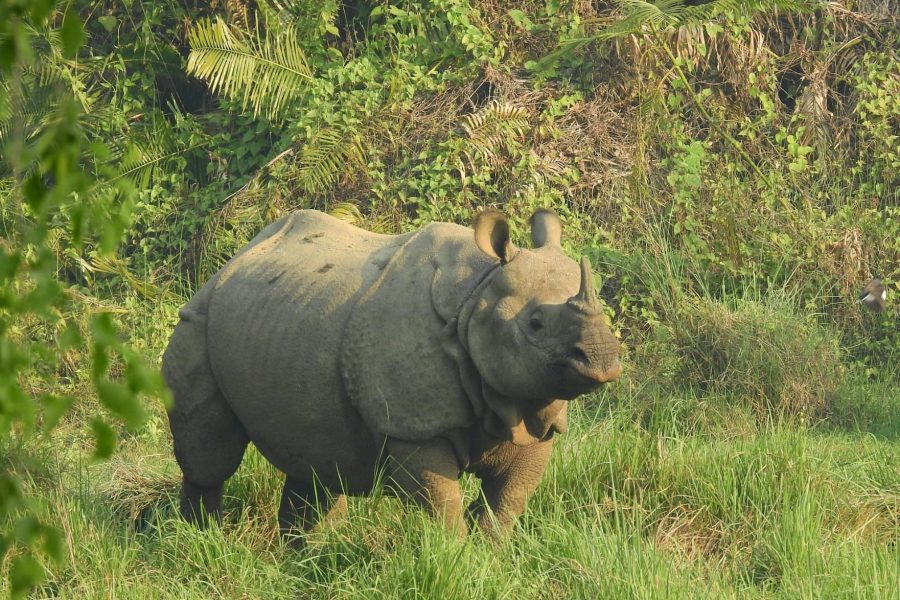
{"x":136,"y":485}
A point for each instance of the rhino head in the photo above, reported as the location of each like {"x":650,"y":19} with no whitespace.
{"x":537,"y":329}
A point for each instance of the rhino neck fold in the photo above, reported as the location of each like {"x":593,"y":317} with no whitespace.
{"x":522,"y":422}
{"x":468,"y":305}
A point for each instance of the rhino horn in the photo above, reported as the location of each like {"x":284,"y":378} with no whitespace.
{"x":586,"y":299}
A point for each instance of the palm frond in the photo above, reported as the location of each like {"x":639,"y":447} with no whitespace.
{"x":285,"y":9}
{"x":26,"y":111}
{"x":115,"y":265}
{"x":308,"y":17}
{"x":232,"y":226}
{"x":345,"y":211}
{"x":325,"y":156}
{"x":639,"y":15}
{"x":145,"y":154}
{"x":265,"y":71}
{"x":42,"y":87}
{"x":141,"y":156}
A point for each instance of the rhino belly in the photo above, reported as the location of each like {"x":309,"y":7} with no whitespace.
{"x":276,"y":321}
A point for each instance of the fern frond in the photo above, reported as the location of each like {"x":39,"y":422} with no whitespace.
{"x":495,"y":127}
{"x":266,"y":71}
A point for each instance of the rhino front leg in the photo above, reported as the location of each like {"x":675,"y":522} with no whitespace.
{"x":428,"y":472}
{"x":507,"y":486}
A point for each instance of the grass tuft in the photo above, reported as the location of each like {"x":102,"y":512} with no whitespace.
{"x":759,"y":351}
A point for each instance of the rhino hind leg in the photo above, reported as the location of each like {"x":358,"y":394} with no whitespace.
{"x":302,"y":502}
{"x":209,"y":446}
{"x":208,"y":439}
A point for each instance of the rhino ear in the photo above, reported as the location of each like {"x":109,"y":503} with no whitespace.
{"x":545,"y":228}
{"x":492,"y":235}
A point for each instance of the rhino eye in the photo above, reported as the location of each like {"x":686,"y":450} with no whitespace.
{"x":535,"y":322}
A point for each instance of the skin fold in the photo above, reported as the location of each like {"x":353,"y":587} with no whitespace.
{"x":342,"y":354}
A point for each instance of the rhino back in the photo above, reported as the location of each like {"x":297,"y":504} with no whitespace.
{"x":276,"y":318}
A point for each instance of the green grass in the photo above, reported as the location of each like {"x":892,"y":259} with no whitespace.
{"x":678,"y":481}
{"x":697,"y":500}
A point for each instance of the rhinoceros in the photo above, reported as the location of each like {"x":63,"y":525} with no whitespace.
{"x":346,"y":356}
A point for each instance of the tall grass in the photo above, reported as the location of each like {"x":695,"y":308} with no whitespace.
{"x":629,"y":508}
{"x":732,"y":461}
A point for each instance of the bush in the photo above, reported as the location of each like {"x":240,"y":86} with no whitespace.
{"x":759,"y":352}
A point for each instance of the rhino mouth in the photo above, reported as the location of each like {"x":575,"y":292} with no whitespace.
{"x":579,"y":363}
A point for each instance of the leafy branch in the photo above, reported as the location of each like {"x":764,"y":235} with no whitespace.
{"x":664,"y":14}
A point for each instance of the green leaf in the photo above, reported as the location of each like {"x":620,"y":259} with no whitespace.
{"x":712,"y":29}
{"x":35,"y":193}
{"x":109,"y":23}
{"x":121,"y":401}
{"x":521,"y":19}
{"x":104,"y":437}
{"x":20,"y":406}
{"x":54,"y":409}
{"x":99,"y":361}
{"x":140,"y":378}
{"x":70,"y":337}
{"x":78,"y":224}
{"x":7,"y":53}
{"x":71,"y":33}
{"x":10,"y":494}
{"x":25,"y":573}
{"x":26,"y":529}
{"x":9,"y":264}
{"x":103,"y":329}
{"x":53,"y":545}
{"x":40,"y":9}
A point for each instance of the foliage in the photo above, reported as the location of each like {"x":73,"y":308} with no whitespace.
{"x":53,"y":204}
{"x":269,"y":70}
{"x":701,"y":153}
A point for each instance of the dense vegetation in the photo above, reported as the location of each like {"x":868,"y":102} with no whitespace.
{"x":730,"y":167}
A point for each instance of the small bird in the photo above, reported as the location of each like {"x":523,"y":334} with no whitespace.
{"x":874,"y":295}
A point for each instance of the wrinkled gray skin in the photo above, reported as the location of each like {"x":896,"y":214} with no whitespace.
{"x":342,"y":354}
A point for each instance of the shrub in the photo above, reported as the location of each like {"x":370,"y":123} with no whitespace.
{"x":760,"y":352}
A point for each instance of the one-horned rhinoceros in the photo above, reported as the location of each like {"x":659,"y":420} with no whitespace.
{"x":344,"y":355}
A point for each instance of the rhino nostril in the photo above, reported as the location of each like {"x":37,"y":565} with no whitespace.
{"x":579,"y":355}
